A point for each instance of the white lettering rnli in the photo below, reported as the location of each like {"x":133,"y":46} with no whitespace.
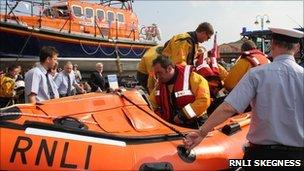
{"x":183,"y":93}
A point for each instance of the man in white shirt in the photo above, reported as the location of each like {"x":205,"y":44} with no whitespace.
{"x":66,"y":81}
{"x":276,"y":92}
{"x":39,"y":85}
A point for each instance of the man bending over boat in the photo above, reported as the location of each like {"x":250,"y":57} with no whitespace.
{"x":144,"y":68}
{"x":276,"y":92}
{"x":182,"y":96}
{"x":39,"y":85}
{"x":182,"y":48}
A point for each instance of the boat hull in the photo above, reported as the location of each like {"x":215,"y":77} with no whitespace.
{"x":117,"y":136}
{"x":23,"y":44}
{"x":22,"y":151}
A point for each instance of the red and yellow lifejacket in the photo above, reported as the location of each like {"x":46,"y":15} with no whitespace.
{"x":255,"y":57}
{"x":210,"y":72}
{"x":181,"y":89}
{"x":205,"y":69}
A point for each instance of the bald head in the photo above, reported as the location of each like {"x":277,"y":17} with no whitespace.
{"x":99,"y":67}
{"x":68,"y":67}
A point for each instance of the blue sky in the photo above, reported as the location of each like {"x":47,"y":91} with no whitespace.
{"x":227,"y":17}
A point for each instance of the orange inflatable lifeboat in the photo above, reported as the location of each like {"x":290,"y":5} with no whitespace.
{"x":106,"y":131}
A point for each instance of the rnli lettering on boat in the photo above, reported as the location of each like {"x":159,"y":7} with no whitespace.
{"x":49,"y":151}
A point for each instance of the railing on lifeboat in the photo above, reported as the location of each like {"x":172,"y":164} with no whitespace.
{"x":96,"y":27}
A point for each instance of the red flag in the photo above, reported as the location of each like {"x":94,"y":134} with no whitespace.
{"x":213,"y":54}
{"x":215,"y":51}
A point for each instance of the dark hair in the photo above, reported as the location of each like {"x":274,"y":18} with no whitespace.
{"x":12,"y":67}
{"x":207,"y":27}
{"x":163,"y":61}
{"x":47,"y":51}
{"x":284,"y":44}
{"x":248,"y":45}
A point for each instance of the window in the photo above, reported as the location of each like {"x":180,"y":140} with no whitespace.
{"x":111,"y":16}
{"x":120,"y":18}
{"x":47,"y":12}
{"x":77,"y":11}
{"x":63,"y":11}
{"x":100,"y":15}
{"x":89,"y":13}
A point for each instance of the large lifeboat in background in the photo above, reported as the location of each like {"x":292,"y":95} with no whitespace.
{"x":104,"y":131}
{"x":83,"y":32}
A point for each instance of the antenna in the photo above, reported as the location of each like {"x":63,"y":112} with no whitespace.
{"x":294,"y":21}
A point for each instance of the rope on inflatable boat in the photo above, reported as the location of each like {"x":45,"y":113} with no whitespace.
{"x":41,"y":116}
{"x":120,"y":93}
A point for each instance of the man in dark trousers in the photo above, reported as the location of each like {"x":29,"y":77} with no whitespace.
{"x":97,"y":80}
{"x":276,"y":92}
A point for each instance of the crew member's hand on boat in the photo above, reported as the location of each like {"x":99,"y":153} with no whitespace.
{"x":194,"y":138}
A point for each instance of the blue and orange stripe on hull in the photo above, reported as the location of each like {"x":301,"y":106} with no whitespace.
{"x":14,"y":38}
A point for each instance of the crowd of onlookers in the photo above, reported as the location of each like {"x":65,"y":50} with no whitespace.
{"x":68,"y":81}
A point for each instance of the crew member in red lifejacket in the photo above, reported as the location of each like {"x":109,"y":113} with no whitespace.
{"x":209,"y":69}
{"x":250,"y":57}
{"x":213,"y":73}
{"x":181,"y":96}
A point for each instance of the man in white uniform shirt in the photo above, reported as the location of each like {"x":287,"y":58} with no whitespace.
{"x":39,"y":84}
{"x":66,"y":82}
{"x":276,"y":91}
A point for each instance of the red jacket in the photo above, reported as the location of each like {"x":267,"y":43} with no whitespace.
{"x":205,"y":69}
{"x":255,"y":57}
{"x":181,"y":90}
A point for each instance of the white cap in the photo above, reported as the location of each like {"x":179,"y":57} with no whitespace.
{"x":288,"y":35}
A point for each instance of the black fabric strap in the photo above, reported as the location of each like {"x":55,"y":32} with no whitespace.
{"x":69,"y":85}
{"x":50,"y":90}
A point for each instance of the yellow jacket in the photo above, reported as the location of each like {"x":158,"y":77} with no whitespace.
{"x":179,"y":48}
{"x":236,"y":73}
{"x":200,"y":89}
{"x":223,"y":72}
{"x":145,"y":64}
{"x":7,"y":86}
{"x":151,"y":83}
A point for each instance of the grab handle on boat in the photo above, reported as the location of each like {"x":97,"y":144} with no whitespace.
{"x":185,"y":154}
{"x":234,"y":127}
